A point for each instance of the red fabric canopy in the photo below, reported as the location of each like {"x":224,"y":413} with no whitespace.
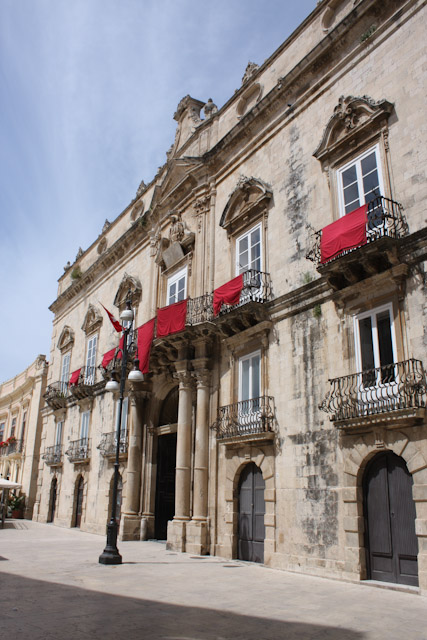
{"x":229,"y":293}
{"x":346,"y":233}
{"x":145,"y":338}
{"x":74,"y":378}
{"x":171,"y":319}
{"x":107,"y":358}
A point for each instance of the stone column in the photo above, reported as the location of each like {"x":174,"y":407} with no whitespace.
{"x":176,"y":527}
{"x":131,"y":519}
{"x":197,"y":531}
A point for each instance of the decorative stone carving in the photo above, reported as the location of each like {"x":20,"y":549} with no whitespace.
{"x":92,"y":321}
{"x":66,"y":339}
{"x":209,"y":109}
{"x":142,"y":187}
{"x":188,"y":117}
{"x":79,"y":253}
{"x":249,"y":199}
{"x":106,"y":226}
{"x":249,"y":98}
{"x":41,"y":362}
{"x":154,"y":241}
{"x":180,"y":242}
{"x":128,"y":284}
{"x":352,"y":116}
{"x":250,"y":70}
{"x":102,"y":246}
{"x":67,"y":266}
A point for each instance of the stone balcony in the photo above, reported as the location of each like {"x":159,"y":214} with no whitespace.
{"x":391,"y":396}
{"x":246,"y":421}
{"x":79,"y":450}
{"x":53,"y":455}
{"x":56,"y":395}
{"x":108,"y":445}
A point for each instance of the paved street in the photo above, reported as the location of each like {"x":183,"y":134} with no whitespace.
{"x":53,"y":588}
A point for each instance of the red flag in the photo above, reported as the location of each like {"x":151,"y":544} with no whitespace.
{"x":145,"y":338}
{"x":74,"y":378}
{"x":107,"y":358}
{"x":121,"y":345}
{"x":229,"y":293}
{"x":347,"y":232}
{"x":116,"y":324}
{"x":172,"y":318}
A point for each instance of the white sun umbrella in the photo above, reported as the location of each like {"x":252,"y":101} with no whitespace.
{"x":8,"y":484}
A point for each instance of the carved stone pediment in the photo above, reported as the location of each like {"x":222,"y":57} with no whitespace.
{"x":351,"y":117}
{"x":128,"y":283}
{"x":66,"y":339}
{"x":92,"y":321}
{"x":248,"y":200}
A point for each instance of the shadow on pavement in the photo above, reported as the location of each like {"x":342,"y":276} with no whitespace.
{"x":38,"y":610}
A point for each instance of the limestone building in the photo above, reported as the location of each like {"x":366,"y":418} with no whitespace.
{"x":21,"y":402}
{"x":283,"y":421}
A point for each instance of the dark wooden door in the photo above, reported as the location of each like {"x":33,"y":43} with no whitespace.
{"x":165,"y":484}
{"x":391,"y":543}
{"x":251,"y":533}
{"x":52,"y":502}
{"x":79,"y":503}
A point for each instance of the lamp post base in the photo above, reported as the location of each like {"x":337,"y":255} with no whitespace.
{"x":111,"y":554}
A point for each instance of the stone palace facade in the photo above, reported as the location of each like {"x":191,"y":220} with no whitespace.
{"x":286,"y":425}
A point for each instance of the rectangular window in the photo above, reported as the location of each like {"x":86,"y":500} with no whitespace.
{"x":65,"y":372}
{"x":91,"y":360}
{"x":248,"y":251}
{"x":1,"y":431}
{"x":23,"y":425}
{"x":376,"y":346}
{"x":124,"y":422}
{"x":58,"y":432}
{"x":360,"y":181}
{"x":250,"y":382}
{"x":177,"y":286}
{"x":84,"y":425}
{"x":13,"y":427}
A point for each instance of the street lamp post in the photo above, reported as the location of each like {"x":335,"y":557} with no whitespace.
{"x":111,"y":554}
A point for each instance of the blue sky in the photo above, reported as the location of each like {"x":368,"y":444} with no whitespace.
{"x":88,"y":89}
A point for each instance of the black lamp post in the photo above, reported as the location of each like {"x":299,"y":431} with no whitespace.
{"x":111,"y":554}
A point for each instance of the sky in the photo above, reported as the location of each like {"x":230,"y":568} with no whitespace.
{"x":88,"y":89}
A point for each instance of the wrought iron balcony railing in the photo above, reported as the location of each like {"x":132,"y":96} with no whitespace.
{"x":79,"y":450}
{"x":15,"y":447}
{"x":245,"y":418}
{"x":385,"y":219}
{"x":53,"y":455}
{"x":108,"y":444}
{"x":256,"y":288}
{"x":56,"y":394}
{"x":83,"y":387}
{"x":401,"y":385}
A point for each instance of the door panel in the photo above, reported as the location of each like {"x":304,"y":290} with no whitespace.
{"x":251,"y":531}
{"x":165,"y":484}
{"x":392,"y":545}
{"x":79,"y":504}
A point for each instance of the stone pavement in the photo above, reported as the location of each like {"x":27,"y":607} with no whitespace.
{"x":53,"y":588}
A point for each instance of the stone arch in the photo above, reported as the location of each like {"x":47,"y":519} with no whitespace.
{"x":235,"y":461}
{"x":128,"y":284}
{"x":92,"y":321}
{"x":79,"y":479}
{"x":246,"y":204}
{"x":360,"y":451}
{"x":66,"y":339}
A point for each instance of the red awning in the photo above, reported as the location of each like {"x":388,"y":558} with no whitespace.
{"x":145,"y":339}
{"x":229,"y":293}
{"x":107,"y":358}
{"x":346,"y":233}
{"x":74,"y":378}
{"x":171,"y":319}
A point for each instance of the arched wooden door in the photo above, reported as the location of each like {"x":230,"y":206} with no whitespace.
{"x":79,"y":503}
{"x":391,"y":542}
{"x":52,"y":499}
{"x":251,"y":530}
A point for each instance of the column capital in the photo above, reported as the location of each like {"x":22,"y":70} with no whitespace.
{"x":137,"y":396}
{"x":185,"y":379}
{"x":202,"y":377}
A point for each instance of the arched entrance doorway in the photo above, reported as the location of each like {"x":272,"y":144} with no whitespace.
{"x":251,"y":530}
{"x":166,"y":465}
{"x":52,"y":499}
{"x":79,"y":502}
{"x":389,"y":509}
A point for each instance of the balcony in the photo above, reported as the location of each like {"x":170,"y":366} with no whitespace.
{"x":108,"y":445}
{"x":56,"y":395}
{"x":394,"y":395}
{"x":53,"y":456}
{"x":246,"y":421}
{"x":84,"y":385}
{"x":79,"y":450}
{"x":11,"y":447}
{"x":385,"y":225}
